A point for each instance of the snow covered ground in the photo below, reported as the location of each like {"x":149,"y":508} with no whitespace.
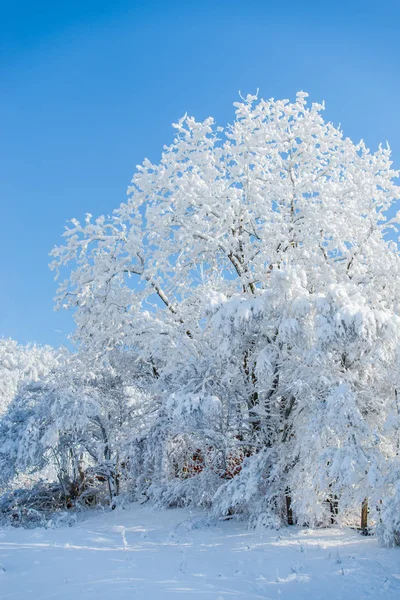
{"x":140,"y":553}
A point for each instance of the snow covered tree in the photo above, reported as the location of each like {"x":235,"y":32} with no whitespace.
{"x":22,"y":364}
{"x":326,"y":421}
{"x":256,"y":265}
{"x":78,"y":421}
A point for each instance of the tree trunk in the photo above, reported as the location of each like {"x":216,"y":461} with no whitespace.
{"x":364,"y":515}
{"x":289,"y":512}
{"x":334,"y":508}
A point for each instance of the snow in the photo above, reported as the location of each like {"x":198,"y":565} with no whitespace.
{"x":144,"y":553}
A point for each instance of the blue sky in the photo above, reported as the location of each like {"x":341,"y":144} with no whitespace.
{"x":90,"y":88}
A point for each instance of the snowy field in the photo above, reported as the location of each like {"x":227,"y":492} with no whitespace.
{"x":140,"y":553}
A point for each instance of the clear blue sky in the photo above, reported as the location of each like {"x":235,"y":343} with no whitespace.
{"x":90,"y":88}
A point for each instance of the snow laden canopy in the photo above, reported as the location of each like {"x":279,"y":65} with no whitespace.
{"x":254,"y":272}
{"x":20,"y":365}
